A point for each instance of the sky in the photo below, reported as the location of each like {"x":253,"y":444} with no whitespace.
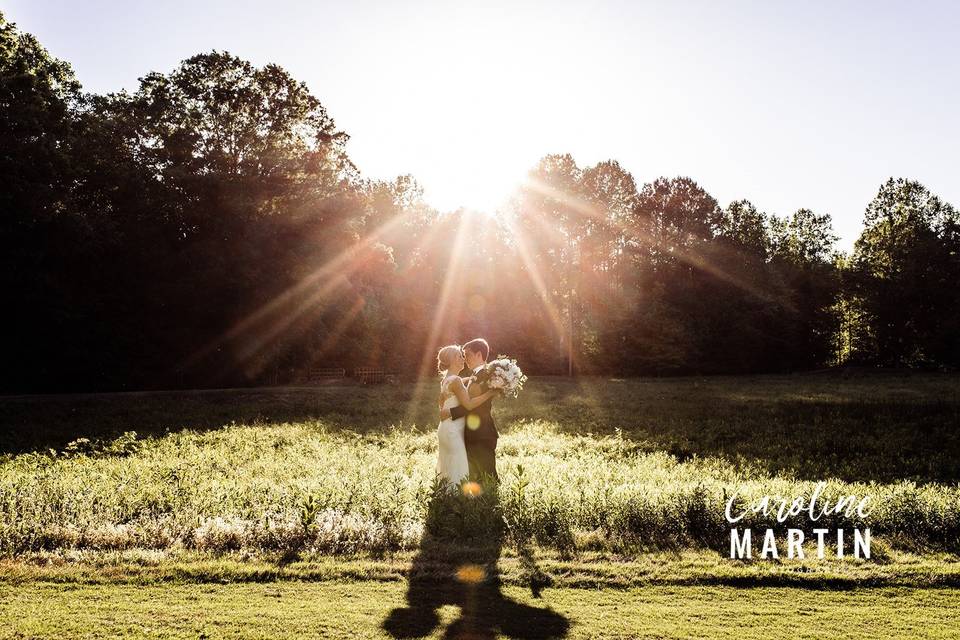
{"x":805,"y":104}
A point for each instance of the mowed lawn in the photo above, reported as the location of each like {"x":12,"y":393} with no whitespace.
{"x":297,"y":512}
{"x":358,"y":610}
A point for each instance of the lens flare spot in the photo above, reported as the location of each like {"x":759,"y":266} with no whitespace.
{"x":471,"y":574}
{"x":472,"y":489}
{"x":473,"y":422}
{"x":477,"y":302}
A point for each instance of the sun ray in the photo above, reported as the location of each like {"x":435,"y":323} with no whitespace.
{"x":536,"y":278}
{"x":342,"y":325}
{"x":451,"y":278}
{"x":334,"y":267}
{"x":256,"y":330}
{"x":686,"y":256}
{"x":261,"y":339}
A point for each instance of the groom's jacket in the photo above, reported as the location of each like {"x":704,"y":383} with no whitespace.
{"x":485,"y":429}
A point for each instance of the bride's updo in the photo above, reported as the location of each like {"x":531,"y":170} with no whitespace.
{"x":445,"y":356}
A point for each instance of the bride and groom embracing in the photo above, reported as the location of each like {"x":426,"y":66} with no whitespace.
{"x":467,"y":435}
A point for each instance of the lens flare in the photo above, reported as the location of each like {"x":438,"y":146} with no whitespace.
{"x":472,"y":489}
{"x":471,"y":574}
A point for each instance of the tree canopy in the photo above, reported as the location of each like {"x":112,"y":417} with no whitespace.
{"x":210,"y":229}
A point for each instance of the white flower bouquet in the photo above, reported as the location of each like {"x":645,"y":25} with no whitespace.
{"x":504,"y":374}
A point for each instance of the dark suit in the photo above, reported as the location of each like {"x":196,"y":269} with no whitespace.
{"x":480,"y":436}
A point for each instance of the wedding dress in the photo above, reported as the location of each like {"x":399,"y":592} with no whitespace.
{"x":452,"y":459}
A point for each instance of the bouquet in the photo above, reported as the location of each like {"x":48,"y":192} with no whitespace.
{"x":504,"y":374}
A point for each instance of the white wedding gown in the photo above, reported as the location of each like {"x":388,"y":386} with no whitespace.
{"x":452,"y":459}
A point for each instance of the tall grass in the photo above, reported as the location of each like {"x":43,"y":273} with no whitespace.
{"x":313,"y":486}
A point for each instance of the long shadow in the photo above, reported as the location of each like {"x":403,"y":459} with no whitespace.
{"x":457,"y":565}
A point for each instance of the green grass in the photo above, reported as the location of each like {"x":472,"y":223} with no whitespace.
{"x":612,"y":501}
{"x":860,"y":426}
{"x":599,"y":465}
{"x":587,"y":570}
{"x":358,"y":610}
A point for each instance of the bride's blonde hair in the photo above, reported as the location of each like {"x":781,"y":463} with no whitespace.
{"x":445,"y":357}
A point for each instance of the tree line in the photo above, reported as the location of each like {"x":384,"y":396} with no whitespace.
{"x":209,"y":229}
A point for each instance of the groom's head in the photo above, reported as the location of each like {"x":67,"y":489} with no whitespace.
{"x":475,"y":352}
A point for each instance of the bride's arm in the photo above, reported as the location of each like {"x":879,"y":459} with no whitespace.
{"x":463,"y":396}
{"x":456,"y":412}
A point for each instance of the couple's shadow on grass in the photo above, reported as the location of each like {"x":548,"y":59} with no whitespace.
{"x":456,"y":564}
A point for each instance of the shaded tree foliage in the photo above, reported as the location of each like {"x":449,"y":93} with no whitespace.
{"x":902,"y":279}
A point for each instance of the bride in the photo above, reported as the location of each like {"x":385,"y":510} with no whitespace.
{"x":452,"y":460}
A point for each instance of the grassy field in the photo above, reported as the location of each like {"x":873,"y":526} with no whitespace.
{"x":359,"y":609}
{"x":611,"y":508}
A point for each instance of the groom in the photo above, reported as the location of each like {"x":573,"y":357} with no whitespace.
{"x":480,"y":434}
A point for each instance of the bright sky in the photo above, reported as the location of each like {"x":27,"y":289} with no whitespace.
{"x":809,"y":105}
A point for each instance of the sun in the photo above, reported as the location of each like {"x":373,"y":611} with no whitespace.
{"x":483,"y":192}
{"x":481,"y":196}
